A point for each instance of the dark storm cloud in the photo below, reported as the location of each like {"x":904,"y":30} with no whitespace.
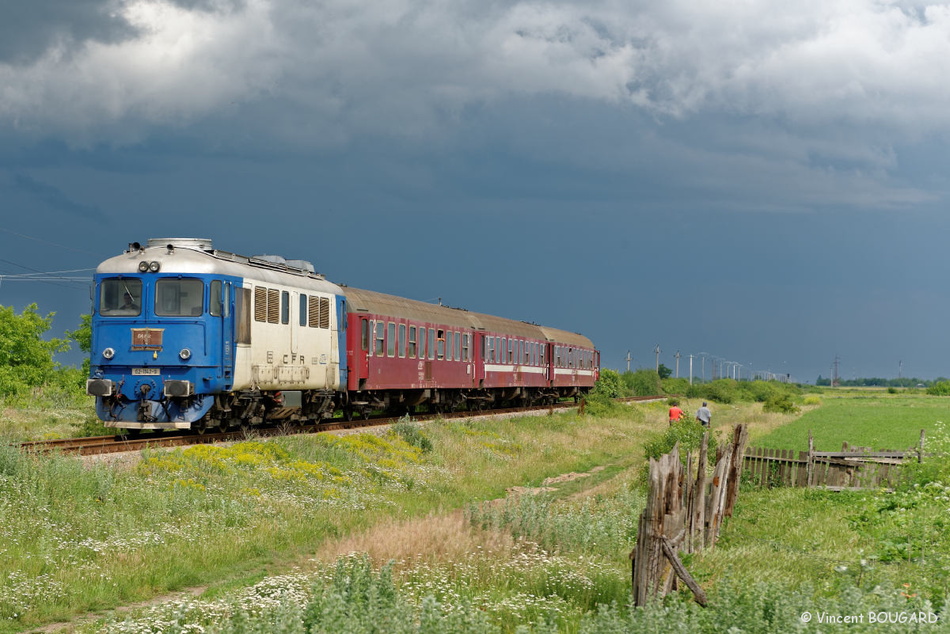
{"x":498,"y":135}
{"x":29,"y":29}
{"x":55,"y":198}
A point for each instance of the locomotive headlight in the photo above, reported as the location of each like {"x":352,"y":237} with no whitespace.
{"x":154,"y":266}
{"x":143,"y":266}
{"x":185,"y":354}
{"x":108,"y":353}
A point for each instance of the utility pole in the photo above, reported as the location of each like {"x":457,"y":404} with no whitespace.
{"x":629,"y":359}
{"x":657,"y":351}
{"x":834,"y":372}
{"x":690,"y":369}
{"x":677,"y":357}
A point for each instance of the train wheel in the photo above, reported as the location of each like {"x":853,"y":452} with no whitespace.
{"x":200,"y":426}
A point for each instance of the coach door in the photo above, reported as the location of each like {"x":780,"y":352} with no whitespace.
{"x":478,"y":355}
{"x":359,"y":361}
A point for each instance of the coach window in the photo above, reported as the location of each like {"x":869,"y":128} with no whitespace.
{"x":284,"y":307}
{"x":511,"y":351}
{"x":304,"y":309}
{"x":364,"y":339}
{"x":179,"y":297}
{"x":465,"y":346}
{"x":380,"y":338}
{"x":431,"y":349}
{"x":402,"y":340}
{"x":391,"y":340}
{"x":440,"y":344}
{"x":242,"y":315}
{"x":412,"y":342}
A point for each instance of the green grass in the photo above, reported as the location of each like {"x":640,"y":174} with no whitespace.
{"x":76,"y":538}
{"x":868,"y":419}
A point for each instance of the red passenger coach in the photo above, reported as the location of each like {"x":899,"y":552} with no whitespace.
{"x":402,"y":353}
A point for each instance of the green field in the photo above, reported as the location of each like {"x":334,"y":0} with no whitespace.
{"x":873,"y":419}
{"x":423,"y":530}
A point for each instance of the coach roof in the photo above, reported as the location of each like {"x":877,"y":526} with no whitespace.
{"x":399,"y":307}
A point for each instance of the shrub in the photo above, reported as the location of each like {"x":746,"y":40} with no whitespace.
{"x":688,"y":433}
{"x":609,"y":383}
{"x":642,"y":382}
{"x":780,"y":404}
{"x":675,"y":386}
{"x":941,"y":388}
{"x":602,"y":406}
{"x":721,"y":391}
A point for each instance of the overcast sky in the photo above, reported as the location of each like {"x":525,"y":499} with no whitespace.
{"x":761,"y":181}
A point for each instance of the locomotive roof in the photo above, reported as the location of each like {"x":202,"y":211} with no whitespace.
{"x":196,"y":257}
{"x":393,"y":306}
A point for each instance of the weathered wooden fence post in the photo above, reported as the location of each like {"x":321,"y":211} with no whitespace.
{"x":682,"y":515}
{"x":660,"y":517}
{"x":810,"y":467}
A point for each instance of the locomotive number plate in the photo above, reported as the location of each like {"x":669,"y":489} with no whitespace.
{"x":146,"y":371}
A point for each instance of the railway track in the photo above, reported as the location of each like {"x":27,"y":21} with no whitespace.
{"x":96,"y":445}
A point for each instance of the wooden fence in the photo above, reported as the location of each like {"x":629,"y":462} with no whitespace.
{"x":683,"y":513}
{"x":850,"y":468}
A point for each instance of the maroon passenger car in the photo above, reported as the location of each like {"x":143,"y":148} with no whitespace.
{"x":402,"y":353}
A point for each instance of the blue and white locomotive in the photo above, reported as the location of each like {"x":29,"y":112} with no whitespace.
{"x":172,"y":331}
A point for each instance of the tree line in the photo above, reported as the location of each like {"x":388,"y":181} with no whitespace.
{"x":878,"y":382}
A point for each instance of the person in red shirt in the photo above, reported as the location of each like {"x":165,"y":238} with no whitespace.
{"x":675,"y":412}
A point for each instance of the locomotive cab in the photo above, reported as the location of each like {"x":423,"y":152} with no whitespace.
{"x":162,"y":347}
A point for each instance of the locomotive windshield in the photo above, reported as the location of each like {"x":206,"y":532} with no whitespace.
{"x":120,"y":297}
{"x":179,"y":297}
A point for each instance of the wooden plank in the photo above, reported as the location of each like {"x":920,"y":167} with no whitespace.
{"x":864,"y":454}
{"x":740,"y":439}
{"x":698,"y":593}
{"x":698,"y":520}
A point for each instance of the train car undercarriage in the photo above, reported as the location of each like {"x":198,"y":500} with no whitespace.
{"x":244,"y":410}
